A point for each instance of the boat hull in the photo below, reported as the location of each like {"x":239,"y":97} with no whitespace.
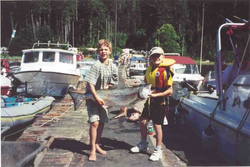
{"x":39,"y":83}
{"x":5,"y":90}
{"x":5,"y":86}
{"x":231,"y":144}
{"x":15,"y":116}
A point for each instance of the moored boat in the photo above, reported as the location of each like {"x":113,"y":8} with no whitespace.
{"x":5,"y":86}
{"x":222,"y":121}
{"x":185,"y":68}
{"x":48,"y":71}
{"x":17,"y":115}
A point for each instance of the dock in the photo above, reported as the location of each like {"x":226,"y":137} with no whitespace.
{"x":65,"y":135}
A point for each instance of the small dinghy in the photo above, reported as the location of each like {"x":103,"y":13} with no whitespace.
{"x":17,"y":115}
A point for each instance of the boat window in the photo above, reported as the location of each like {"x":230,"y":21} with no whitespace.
{"x":48,"y":56}
{"x":195,"y":69}
{"x":180,"y":71}
{"x":188,"y":69}
{"x":66,"y":58}
{"x":212,"y":75}
{"x":191,"y":69}
{"x":31,"y":57}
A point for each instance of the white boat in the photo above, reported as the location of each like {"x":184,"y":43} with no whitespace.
{"x":222,"y":121}
{"x":185,"y":68}
{"x":48,"y":71}
{"x":137,"y":67}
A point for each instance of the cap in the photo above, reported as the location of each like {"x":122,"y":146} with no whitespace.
{"x":156,"y":50}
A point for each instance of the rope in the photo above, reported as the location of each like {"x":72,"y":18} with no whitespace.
{"x":213,"y":113}
{"x":56,"y":119}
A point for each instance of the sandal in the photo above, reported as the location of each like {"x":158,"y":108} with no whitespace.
{"x":134,"y":116}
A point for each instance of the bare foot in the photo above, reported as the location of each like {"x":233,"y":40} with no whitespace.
{"x":123,"y":112}
{"x":99,"y":150}
{"x":92,"y":156}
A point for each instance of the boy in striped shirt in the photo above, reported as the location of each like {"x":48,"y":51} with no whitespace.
{"x":102,"y":75}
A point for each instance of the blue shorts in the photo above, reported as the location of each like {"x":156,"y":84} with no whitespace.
{"x":96,"y":112}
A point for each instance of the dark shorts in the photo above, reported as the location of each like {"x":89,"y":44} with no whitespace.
{"x":156,"y":112}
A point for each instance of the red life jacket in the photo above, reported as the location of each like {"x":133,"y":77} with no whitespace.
{"x":159,"y":78}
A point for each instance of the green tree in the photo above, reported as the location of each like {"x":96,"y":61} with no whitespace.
{"x":167,"y":38}
{"x":23,"y":40}
{"x":44,"y":34}
{"x":121,"y":39}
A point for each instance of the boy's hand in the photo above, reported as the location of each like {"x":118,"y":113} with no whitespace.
{"x":100,"y":101}
{"x":152,"y":95}
{"x":108,"y":86}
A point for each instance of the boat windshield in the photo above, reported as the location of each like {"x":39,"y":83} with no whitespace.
{"x":186,"y":69}
{"x":48,"y":56}
{"x":66,"y":58}
{"x":31,"y":57}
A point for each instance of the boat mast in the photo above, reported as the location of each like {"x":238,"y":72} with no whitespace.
{"x":202,"y":28}
{"x":115,"y":21}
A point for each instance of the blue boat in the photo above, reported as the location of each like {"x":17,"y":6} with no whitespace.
{"x":222,"y":119}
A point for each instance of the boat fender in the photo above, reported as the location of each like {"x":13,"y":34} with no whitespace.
{"x":208,"y":138}
{"x":209,"y":130}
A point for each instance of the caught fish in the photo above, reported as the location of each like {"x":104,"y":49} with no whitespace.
{"x":119,"y":97}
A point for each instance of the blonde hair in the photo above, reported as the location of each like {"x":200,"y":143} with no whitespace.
{"x":104,"y":42}
{"x":149,"y":61}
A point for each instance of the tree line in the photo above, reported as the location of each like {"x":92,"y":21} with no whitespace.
{"x":175,"y":25}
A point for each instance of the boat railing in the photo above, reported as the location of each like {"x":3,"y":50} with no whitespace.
{"x":172,"y":54}
{"x":51,"y":44}
{"x":218,"y":62}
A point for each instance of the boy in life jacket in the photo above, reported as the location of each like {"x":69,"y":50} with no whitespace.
{"x":160,"y":76}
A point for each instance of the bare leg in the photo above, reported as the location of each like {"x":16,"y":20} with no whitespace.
{"x":98,"y":138}
{"x":93,"y":136}
{"x":158,"y":130}
{"x":143,"y":128}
